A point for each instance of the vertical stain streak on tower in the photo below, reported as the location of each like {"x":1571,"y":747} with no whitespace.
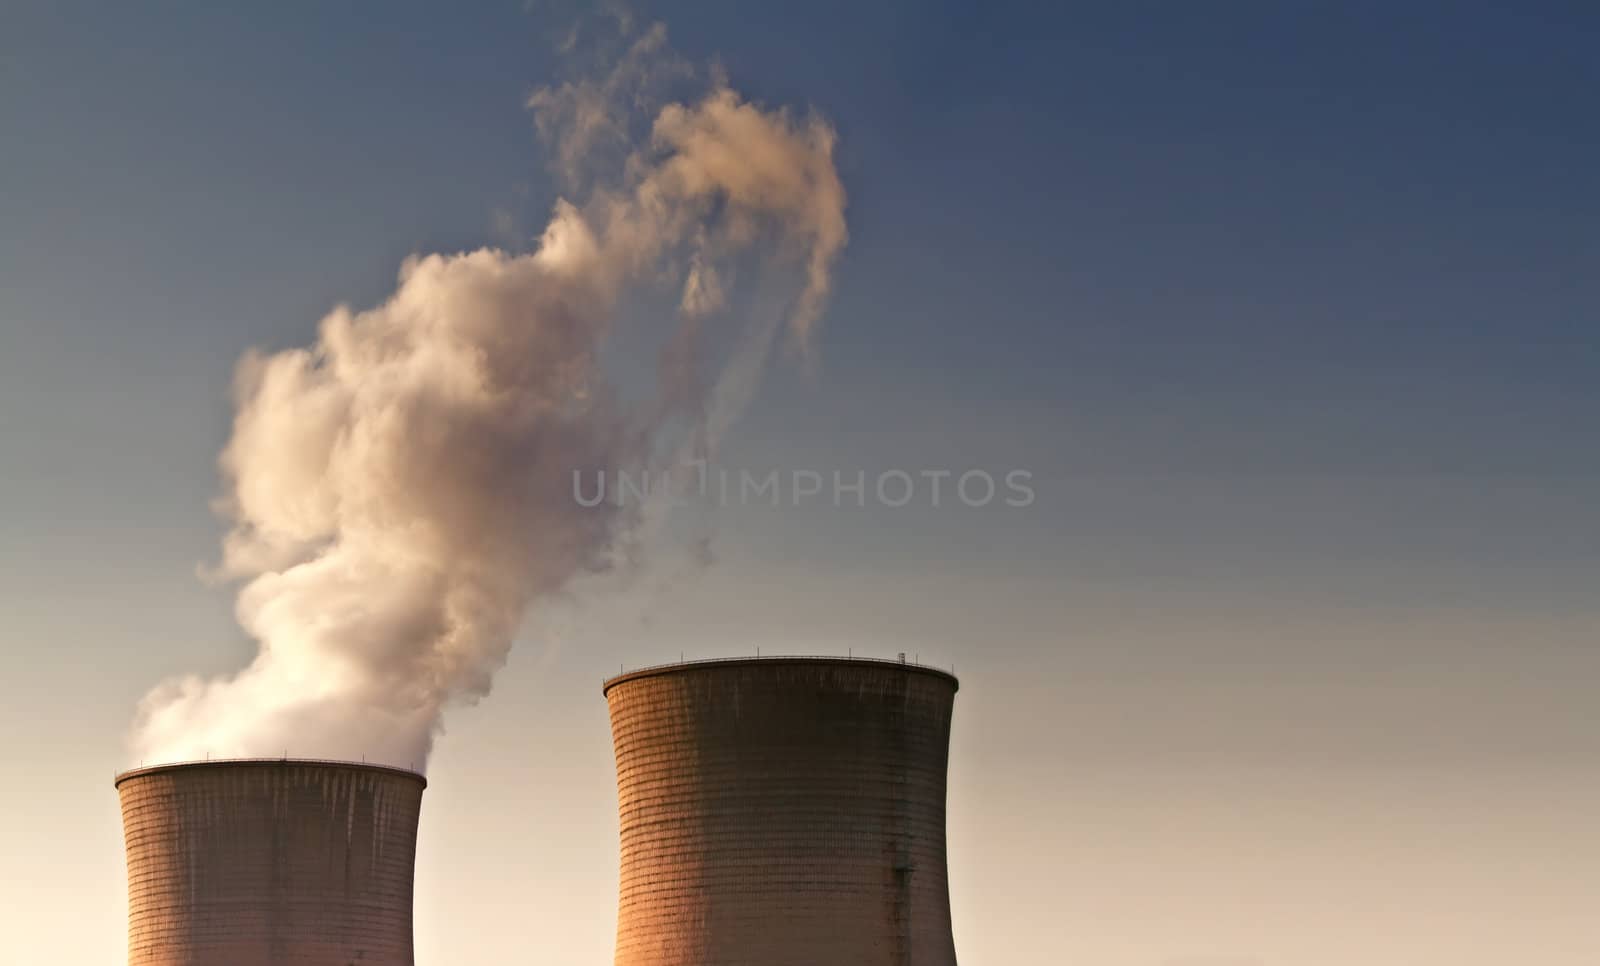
{"x":250,"y":863}
{"x":899,"y":847}
{"x":782,"y":811}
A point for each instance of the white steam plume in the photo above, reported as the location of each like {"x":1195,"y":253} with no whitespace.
{"x":401,"y":490}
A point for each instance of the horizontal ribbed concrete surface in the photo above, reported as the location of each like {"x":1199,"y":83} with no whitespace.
{"x":783,"y":812}
{"x":270,"y":862}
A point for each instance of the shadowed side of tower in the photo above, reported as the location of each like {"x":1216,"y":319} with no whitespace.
{"x":783,"y":811}
{"x":253,"y":863}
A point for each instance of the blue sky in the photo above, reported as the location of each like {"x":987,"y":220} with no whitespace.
{"x":1289,"y":307}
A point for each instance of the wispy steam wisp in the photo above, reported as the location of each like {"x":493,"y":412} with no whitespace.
{"x":400,"y":490}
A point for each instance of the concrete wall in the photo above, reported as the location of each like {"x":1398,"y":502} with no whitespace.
{"x":250,"y":864}
{"x":783,"y":812}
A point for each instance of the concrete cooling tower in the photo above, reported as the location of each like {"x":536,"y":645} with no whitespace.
{"x":783,"y":811}
{"x":250,"y":863}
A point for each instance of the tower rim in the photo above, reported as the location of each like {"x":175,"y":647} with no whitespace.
{"x":678,"y":667}
{"x":208,"y":763}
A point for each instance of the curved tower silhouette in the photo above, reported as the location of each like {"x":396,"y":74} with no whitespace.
{"x":250,"y":863}
{"x":783,"y":811}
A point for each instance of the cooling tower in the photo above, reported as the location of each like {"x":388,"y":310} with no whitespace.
{"x":783,"y":811}
{"x":250,"y":863}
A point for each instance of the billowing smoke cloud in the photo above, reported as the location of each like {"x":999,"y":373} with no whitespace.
{"x":401,"y":491}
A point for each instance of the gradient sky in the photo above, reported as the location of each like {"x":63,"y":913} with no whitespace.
{"x":1288,"y":307}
